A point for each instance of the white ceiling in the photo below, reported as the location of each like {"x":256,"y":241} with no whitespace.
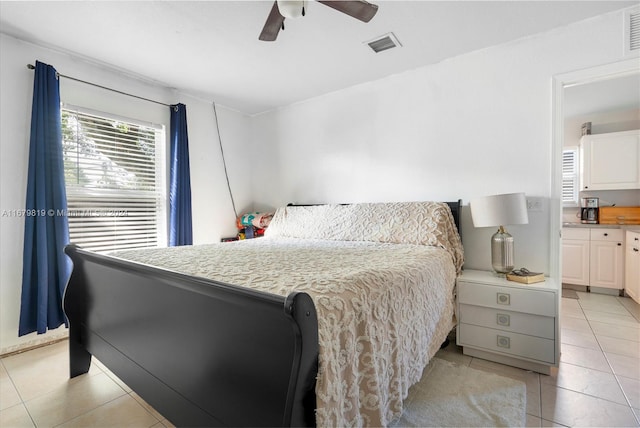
{"x":211,"y":48}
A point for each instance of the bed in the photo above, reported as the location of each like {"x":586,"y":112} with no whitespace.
{"x":327,"y":320}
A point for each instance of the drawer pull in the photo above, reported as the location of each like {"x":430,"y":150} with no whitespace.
{"x":504,"y":299}
{"x":503,"y":320}
{"x":606,"y":234}
{"x":504,"y":342}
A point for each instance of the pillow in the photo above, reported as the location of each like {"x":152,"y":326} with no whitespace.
{"x":418,"y":223}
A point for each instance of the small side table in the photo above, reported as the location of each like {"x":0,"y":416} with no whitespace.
{"x":509,"y":322}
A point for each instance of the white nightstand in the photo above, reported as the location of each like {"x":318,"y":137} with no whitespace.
{"x":508,"y":322}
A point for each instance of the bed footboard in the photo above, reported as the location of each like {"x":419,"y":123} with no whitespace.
{"x":202,"y":353}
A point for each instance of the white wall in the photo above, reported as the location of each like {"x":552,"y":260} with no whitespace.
{"x":213,"y":217}
{"x":473,"y":125}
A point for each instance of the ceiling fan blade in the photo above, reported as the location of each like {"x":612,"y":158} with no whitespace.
{"x":273,"y":24}
{"x":358,"y":9}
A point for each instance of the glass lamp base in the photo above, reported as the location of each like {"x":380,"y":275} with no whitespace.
{"x":502,"y":252}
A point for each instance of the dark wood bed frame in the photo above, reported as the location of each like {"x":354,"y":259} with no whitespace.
{"x":201,"y":352}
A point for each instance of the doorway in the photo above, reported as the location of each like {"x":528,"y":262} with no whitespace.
{"x":577,"y":93}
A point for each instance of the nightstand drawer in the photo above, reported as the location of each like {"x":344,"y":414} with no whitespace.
{"x":517,"y":298}
{"x":515,"y":344}
{"x":517,"y":322}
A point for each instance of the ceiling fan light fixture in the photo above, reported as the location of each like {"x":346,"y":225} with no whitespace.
{"x":291,"y":8}
{"x":283,"y":9}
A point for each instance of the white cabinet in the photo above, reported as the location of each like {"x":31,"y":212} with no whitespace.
{"x":610,"y":161}
{"x":575,"y":256}
{"x":593,"y":257}
{"x":508,"y":322}
{"x":606,"y":258}
{"x":632,"y":265}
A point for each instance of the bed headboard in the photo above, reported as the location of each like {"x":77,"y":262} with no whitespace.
{"x":455,"y":207}
{"x":456,"y":210}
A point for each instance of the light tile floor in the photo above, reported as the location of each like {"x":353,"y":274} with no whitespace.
{"x":35,"y":391}
{"x":598,"y":380}
{"x":597,"y":383}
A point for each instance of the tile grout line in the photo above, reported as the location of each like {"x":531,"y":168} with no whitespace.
{"x":22,"y":402}
{"x":144,"y":406}
{"x":540,"y":397}
{"x":627,"y":314}
{"x":619,"y":304}
{"x":595,"y":396}
{"x":615,"y":375}
{"x":604,"y":354}
{"x":628,"y":310}
{"x":90,"y":410}
{"x":591,"y":368}
{"x":635,"y":414}
{"x":599,"y":348}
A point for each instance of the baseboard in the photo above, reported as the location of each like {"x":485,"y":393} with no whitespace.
{"x":509,"y":361}
{"x":34,"y":344}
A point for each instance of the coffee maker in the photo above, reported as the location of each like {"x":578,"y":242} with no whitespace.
{"x":589,"y":211}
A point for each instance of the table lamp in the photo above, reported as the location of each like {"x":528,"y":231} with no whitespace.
{"x":500,"y":210}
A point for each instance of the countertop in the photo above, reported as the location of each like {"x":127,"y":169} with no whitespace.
{"x":631,"y":227}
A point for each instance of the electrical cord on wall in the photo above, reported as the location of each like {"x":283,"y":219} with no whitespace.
{"x":224,"y":163}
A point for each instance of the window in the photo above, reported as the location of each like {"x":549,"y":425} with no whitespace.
{"x":114,"y":173}
{"x":570,"y":178}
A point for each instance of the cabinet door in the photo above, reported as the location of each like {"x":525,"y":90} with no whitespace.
{"x":606,"y":264}
{"x":575,"y":262}
{"x":632,"y":266}
{"x":611,"y":161}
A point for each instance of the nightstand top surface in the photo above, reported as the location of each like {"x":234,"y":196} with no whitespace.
{"x":490,"y":278}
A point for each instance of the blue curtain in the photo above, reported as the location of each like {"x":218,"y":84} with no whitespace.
{"x":46,"y":268}
{"x":180,"y":182}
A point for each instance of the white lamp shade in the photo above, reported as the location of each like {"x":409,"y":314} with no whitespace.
{"x":499,"y":210}
{"x":290,"y":8}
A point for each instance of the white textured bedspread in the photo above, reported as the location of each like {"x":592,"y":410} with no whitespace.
{"x":383,"y":309}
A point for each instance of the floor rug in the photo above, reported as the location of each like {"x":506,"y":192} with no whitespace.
{"x":569,"y":294}
{"x":453,"y":395}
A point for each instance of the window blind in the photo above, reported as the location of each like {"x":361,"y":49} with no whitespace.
{"x":570,"y":176}
{"x":114,"y":175}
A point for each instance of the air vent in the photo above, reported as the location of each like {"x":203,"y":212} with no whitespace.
{"x":383,"y":43}
{"x":632,"y":31}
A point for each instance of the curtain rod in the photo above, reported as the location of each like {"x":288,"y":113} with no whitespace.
{"x":32,"y":67}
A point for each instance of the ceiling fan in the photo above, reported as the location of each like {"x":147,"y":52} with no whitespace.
{"x":359,"y":9}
